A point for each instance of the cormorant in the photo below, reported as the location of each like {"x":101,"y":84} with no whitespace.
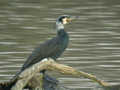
{"x":52,"y":48}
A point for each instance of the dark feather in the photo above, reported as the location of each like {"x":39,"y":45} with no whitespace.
{"x":50,"y":49}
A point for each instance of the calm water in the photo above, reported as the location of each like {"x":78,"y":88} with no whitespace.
{"x":94,"y":38}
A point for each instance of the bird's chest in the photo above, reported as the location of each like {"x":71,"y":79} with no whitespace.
{"x":62,"y":45}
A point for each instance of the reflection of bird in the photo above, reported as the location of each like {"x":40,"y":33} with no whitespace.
{"x":52,"y":48}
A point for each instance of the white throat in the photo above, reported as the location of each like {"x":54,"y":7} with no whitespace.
{"x":59,"y":25}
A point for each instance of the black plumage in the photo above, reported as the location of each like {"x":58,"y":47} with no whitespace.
{"x":52,"y":48}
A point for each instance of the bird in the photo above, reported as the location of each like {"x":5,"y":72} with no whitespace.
{"x":52,"y":48}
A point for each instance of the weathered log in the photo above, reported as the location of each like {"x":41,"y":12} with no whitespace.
{"x":29,"y":73}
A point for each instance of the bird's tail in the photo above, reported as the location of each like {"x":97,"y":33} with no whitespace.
{"x":8,"y":85}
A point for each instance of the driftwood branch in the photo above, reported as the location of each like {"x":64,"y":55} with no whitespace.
{"x":29,"y":73}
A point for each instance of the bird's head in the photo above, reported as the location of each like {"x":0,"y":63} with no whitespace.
{"x":64,"y":19}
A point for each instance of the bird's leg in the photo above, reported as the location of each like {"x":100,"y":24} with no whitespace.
{"x":49,"y":79}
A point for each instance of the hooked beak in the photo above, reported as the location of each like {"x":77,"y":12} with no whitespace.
{"x":71,"y":18}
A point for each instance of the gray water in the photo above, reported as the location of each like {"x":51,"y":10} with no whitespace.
{"x":94,"y":38}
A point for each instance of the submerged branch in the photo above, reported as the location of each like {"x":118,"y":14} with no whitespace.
{"x":27,"y":74}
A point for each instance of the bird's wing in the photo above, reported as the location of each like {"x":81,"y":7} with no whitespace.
{"x":41,"y":52}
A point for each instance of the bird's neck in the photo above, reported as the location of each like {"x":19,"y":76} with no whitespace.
{"x":60,"y":30}
{"x":59,"y":26}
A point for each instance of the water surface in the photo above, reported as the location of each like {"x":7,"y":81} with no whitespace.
{"x":94,"y":38}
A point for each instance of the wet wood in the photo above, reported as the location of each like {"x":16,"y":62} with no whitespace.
{"x":29,"y":73}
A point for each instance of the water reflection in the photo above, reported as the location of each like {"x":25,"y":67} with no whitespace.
{"x":94,"y":38}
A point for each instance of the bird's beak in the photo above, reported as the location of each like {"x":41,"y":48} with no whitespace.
{"x":71,"y":18}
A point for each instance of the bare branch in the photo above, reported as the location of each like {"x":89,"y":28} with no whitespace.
{"x":27,"y":74}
